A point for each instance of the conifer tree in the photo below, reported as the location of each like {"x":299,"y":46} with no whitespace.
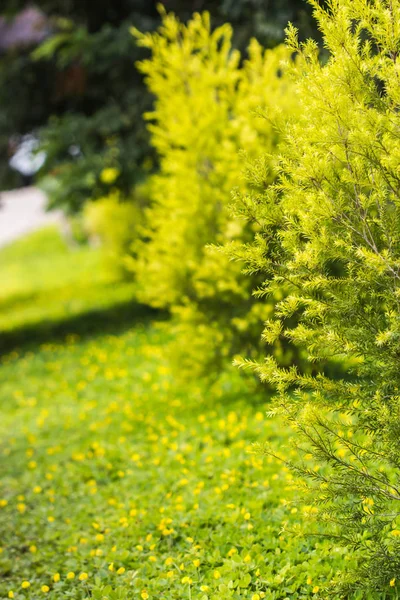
{"x":330,"y":233}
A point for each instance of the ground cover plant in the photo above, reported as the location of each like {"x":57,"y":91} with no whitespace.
{"x":115,"y":483}
{"x":330,"y":232}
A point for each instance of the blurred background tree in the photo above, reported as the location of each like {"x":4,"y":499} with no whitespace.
{"x":67,"y":75}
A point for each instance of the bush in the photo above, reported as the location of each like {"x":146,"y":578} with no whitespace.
{"x":203,"y":115}
{"x":330,"y":232}
{"x":114,"y":222}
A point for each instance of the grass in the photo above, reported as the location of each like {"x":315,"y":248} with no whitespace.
{"x":47,"y":288}
{"x":116,"y":483}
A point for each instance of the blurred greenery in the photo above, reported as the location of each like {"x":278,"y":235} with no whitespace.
{"x":79,"y":90}
{"x":49,"y":288}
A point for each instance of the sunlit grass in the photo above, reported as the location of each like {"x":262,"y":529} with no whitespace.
{"x":116,"y":483}
{"x":42,"y":279}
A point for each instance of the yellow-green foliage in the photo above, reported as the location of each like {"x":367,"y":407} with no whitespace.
{"x":114,"y":222}
{"x":331,"y":232}
{"x":204,"y":113}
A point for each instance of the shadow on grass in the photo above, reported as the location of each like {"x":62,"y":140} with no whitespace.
{"x":110,"y":320}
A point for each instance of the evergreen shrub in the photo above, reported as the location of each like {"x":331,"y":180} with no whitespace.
{"x":330,"y":233}
{"x":206,"y":97}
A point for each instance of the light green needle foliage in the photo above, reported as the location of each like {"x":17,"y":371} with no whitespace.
{"x":331,"y":233}
{"x":204,"y":113}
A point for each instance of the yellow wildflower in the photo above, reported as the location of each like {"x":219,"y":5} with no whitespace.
{"x":247,"y":558}
{"x":217,"y":575}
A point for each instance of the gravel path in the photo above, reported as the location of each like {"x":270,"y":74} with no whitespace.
{"x":23,"y":210}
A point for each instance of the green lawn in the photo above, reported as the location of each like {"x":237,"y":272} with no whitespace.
{"x":116,"y":483}
{"x":47,"y":287}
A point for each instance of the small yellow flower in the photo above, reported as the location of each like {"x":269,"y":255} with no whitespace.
{"x":217,"y":575}
{"x":83,"y":577}
{"x":196,"y":563}
{"x":25,"y":585}
{"x":56,"y":577}
{"x":121,"y":571}
{"x":247,"y":558}
{"x":255,"y":597}
{"x":144,"y":595}
{"x":111,"y":567}
{"x":186,"y":579}
{"x":168,"y":561}
{"x":204,"y":588}
{"x":315,"y":589}
{"x":3,"y":503}
{"x":32,"y":549}
{"x":11,"y":594}
{"x":71,"y":575}
{"x":392,"y":582}
{"x":45,"y":589}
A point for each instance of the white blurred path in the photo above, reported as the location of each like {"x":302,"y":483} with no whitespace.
{"x":23,"y":210}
